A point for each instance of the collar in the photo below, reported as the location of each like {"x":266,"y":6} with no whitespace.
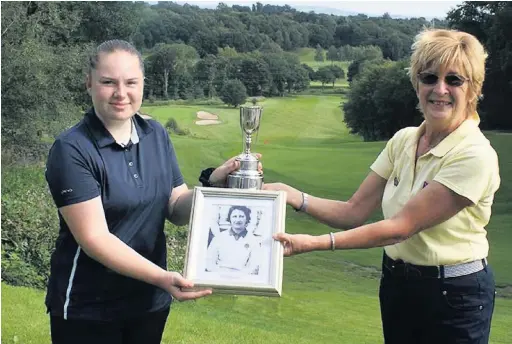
{"x":134,"y":137}
{"x":140,"y":128}
{"x":450,"y":141}
{"x":242,"y":234}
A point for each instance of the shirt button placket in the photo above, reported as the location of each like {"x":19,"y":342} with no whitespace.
{"x":131,"y":167}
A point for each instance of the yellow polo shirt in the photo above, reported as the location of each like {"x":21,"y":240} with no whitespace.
{"x":464,"y":162}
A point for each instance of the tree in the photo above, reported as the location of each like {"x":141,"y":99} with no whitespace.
{"x":297,"y":78}
{"x":325,"y":75}
{"x":227,"y":52}
{"x":169,"y":58}
{"x":104,"y":20}
{"x":233,"y":93}
{"x":279,"y":69}
{"x":372,"y":52}
{"x":337,"y":72}
{"x":205,"y":72}
{"x":309,"y":70}
{"x":255,"y":74}
{"x":41,"y":96}
{"x":319,"y":35}
{"x":355,"y":68}
{"x":381,"y":102}
{"x":319,"y":54}
{"x":270,"y":47}
{"x":491,"y":23}
{"x":332,"y":54}
{"x":204,"y":42}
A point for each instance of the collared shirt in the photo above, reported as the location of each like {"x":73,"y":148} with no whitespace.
{"x":134,"y":183}
{"x":234,"y":252}
{"x":464,"y":162}
{"x":134,"y":136}
{"x":236,"y":235}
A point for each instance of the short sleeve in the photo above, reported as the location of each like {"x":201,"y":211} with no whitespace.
{"x":472,"y":174}
{"x":383,"y":165}
{"x":173,"y":161}
{"x":68,"y":175}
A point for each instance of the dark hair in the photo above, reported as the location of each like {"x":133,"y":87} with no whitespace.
{"x":110,"y":47}
{"x":246,"y":211}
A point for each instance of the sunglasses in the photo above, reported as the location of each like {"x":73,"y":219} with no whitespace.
{"x":451,"y":79}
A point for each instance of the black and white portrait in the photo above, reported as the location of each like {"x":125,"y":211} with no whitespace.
{"x":230,"y":239}
{"x":234,"y":240}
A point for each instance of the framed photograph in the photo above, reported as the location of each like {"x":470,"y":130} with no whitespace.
{"x":230,"y":246}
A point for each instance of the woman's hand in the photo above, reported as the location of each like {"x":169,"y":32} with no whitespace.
{"x":173,"y":282}
{"x":293,"y":196}
{"x":220,"y":175}
{"x":295,"y":243}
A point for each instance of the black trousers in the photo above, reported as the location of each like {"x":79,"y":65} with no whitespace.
{"x":147,"y":329}
{"x":419,"y":309}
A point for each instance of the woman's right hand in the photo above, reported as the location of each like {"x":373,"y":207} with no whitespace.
{"x":293,"y":196}
{"x":174,"y":284}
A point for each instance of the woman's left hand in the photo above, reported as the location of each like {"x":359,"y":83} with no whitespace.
{"x":220,"y":175}
{"x":295,"y":243}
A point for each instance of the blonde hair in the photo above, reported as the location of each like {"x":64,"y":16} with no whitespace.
{"x":440,"y":49}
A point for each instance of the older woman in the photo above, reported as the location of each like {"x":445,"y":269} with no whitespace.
{"x":236,"y":249}
{"x":115,"y":179}
{"x":436,"y":185}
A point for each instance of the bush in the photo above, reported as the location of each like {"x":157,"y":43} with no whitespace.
{"x":172,"y":127}
{"x":16,"y":271}
{"x":176,"y":246}
{"x":29,"y":226}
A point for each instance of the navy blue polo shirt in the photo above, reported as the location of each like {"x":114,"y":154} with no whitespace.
{"x":134,"y":182}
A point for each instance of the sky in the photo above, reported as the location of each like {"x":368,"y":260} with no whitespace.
{"x":427,"y":9}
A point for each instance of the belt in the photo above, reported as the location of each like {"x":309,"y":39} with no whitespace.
{"x":400,"y":268}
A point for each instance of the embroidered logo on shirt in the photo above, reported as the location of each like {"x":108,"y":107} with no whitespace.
{"x":395,"y":181}
{"x":65,"y":191}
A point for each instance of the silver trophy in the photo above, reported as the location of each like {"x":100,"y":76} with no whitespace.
{"x":248,"y":176}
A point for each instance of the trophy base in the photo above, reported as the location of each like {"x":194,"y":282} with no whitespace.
{"x":240,"y":181}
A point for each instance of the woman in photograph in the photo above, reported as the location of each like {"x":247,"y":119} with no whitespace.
{"x":436,"y":185}
{"x":115,"y":179}
{"x":236,"y":249}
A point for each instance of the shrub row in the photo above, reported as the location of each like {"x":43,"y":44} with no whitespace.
{"x":30,"y":227}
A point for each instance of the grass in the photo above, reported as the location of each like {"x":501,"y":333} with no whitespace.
{"x":328,"y":297}
{"x":307,"y":56}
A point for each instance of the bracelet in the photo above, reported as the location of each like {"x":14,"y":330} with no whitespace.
{"x":333,"y":245}
{"x":304,"y":206}
{"x":204,"y":177}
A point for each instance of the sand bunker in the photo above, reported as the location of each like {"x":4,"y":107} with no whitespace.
{"x":206,"y":115}
{"x":207,"y":122}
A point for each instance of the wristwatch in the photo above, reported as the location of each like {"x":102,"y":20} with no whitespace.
{"x":204,"y":177}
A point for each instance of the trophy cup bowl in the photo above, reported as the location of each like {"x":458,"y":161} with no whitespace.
{"x":248,"y":176}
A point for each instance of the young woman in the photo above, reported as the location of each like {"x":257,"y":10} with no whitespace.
{"x":115,"y":179}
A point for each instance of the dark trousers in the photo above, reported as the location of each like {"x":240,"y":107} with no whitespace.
{"x":147,"y":329}
{"x":418,"y":309}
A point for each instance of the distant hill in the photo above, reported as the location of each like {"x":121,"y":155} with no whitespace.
{"x":344,"y":13}
{"x":307,"y":8}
